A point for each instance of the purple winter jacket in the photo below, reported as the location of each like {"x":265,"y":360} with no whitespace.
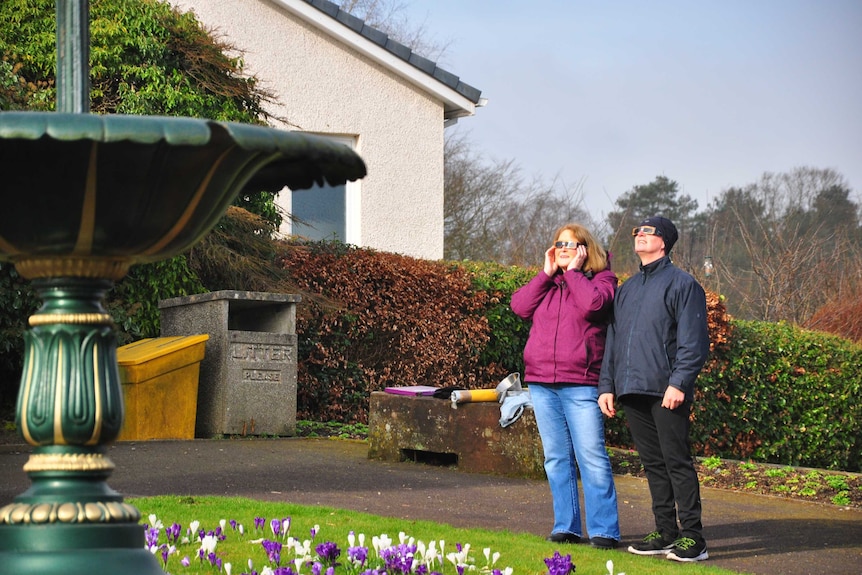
{"x":570,"y":314}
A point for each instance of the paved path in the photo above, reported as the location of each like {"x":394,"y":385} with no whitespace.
{"x":745,"y":533}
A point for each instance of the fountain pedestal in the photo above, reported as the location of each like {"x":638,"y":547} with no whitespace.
{"x":87,"y":197}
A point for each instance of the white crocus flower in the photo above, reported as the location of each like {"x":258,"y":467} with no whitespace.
{"x":193,"y":529}
{"x":155,"y":522}
{"x":208,"y":544}
{"x":381,"y":542}
{"x":351,"y":539}
{"x":610,"y":566}
{"x":227,"y":568}
{"x":402,"y":537}
{"x":362,"y":539}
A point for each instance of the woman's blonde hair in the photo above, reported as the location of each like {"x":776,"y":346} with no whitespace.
{"x":597,"y":257}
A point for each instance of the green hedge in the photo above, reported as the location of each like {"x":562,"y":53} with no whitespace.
{"x":781,"y":394}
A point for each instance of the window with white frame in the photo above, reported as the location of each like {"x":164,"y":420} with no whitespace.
{"x":323,"y":212}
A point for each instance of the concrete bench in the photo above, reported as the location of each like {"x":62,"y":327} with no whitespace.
{"x":429,"y":430}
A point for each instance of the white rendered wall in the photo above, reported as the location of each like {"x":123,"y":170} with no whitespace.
{"x":323,"y":86}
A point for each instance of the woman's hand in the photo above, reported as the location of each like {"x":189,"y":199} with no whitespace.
{"x":551,"y":265}
{"x":578,"y":260}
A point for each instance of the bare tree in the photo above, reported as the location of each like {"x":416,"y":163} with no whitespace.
{"x":784,"y":245}
{"x":477,"y":202}
{"x":533,"y":220}
{"x":493,"y":214}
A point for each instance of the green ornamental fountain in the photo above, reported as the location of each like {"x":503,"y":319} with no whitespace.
{"x":84,"y":198}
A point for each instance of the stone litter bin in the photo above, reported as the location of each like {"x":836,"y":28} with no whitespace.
{"x":248,"y":377}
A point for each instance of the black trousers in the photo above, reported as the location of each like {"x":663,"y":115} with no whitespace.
{"x":661,"y":438}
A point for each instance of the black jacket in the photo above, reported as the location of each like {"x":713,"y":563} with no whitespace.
{"x":658,"y":335}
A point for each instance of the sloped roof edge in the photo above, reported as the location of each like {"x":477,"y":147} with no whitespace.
{"x":459,"y":98}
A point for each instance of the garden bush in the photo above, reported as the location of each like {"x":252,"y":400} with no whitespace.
{"x":781,"y":394}
{"x":18,"y":301}
{"x":384,"y":320}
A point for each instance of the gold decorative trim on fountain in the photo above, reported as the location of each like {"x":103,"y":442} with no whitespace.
{"x":68,"y":462}
{"x":69,"y":267}
{"x":69,"y":512}
{"x":71,"y":318}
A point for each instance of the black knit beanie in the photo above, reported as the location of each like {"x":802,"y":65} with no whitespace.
{"x":665,"y":229}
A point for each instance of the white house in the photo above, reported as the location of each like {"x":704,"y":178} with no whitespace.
{"x":335,"y":76}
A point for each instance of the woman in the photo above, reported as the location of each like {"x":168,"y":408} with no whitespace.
{"x":569,"y":303}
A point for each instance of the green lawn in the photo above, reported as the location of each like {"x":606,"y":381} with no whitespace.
{"x":525,"y":554}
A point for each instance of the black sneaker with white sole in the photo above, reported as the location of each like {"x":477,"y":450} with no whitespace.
{"x":686,"y":549}
{"x":653,"y":544}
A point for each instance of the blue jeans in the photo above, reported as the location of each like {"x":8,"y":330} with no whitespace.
{"x":572,"y":429}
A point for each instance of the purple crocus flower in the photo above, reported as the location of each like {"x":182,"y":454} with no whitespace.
{"x":275,"y":526}
{"x":259,"y":522}
{"x":357,"y":555}
{"x":173,"y":532}
{"x":151,"y":536}
{"x":185,"y":562}
{"x":559,"y":565}
{"x":399,"y":558}
{"x":233,"y":524}
{"x":316,"y":568}
{"x":273,"y":551}
{"x":328,"y":552}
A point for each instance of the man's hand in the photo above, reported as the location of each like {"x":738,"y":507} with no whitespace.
{"x":606,"y":404}
{"x":673,"y":397}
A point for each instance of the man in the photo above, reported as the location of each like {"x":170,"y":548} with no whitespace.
{"x":656,"y":346}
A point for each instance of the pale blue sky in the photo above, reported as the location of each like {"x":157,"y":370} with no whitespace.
{"x":709,"y":93}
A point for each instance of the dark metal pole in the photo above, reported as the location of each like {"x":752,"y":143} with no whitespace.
{"x":73,"y":56}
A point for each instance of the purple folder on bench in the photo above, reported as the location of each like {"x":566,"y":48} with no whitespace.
{"x":412,"y":390}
